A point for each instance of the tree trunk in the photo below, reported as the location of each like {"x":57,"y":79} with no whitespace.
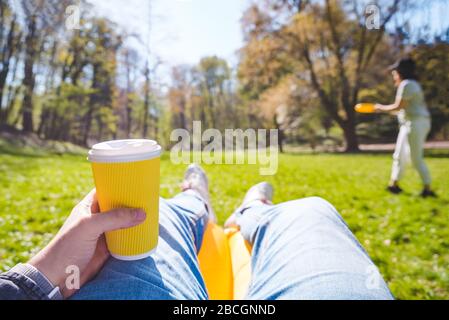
{"x":88,"y":124}
{"x":100,"y":128}
{"x":8,"y":52}
{"x":11,"y":101}
{"x":42,"y":123}
{"x":3,"y":75}
{"x":182,"y":119}
{"x":280,"y":134}
{"x":29,"y":80}
{"x":128,"y":120}
{"x":146,"y":103}
{"x":92,"y":104}
{"x":27,"y":110}
{"x":281,"y":140}
{"x":49,"y":84}
{"x":128,"y":91}
{"x":351,"y":139}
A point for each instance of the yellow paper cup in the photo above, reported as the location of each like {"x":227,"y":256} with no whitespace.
{"x":126,"y":175}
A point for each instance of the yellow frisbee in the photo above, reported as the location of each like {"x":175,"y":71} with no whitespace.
{"x":365,"y":108}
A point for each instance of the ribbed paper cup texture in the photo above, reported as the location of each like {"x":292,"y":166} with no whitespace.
{"x":132,"y":184}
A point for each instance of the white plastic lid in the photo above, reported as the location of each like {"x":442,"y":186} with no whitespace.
{"x":124,"y":151}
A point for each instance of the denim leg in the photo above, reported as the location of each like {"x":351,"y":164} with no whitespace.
{"x":304,"y":250}
{"x":172,"y":272}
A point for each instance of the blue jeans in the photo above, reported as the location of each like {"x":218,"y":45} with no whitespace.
{"x":301,"y":250}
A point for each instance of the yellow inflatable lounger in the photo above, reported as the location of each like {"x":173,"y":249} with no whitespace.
{"x":225,"y":263}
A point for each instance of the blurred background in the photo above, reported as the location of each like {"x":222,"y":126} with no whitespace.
{"x":85,"y":71}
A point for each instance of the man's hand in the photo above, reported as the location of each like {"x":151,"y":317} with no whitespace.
{"x":81,"y":242}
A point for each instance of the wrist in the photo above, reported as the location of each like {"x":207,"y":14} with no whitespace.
{"x":42,"y":282}
{"x":48,"y":267}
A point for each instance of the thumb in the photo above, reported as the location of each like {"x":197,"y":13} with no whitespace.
{"x":117,"y":219}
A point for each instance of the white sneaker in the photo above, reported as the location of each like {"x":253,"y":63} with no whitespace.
{"x":262,"y":193}
{"x":195,"y":179}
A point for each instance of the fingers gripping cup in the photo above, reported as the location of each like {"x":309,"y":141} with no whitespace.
{"x":126,"y":175}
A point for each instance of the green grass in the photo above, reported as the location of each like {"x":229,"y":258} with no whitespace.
{"x":407,"y":237}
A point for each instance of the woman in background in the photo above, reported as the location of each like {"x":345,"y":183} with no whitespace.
{"x":415,"y":123}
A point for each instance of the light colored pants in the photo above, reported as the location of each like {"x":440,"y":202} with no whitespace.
{"x":410,"y":144}
{"x":301,"y":250}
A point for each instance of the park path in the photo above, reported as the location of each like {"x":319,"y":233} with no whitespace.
{"x":390,"y":146}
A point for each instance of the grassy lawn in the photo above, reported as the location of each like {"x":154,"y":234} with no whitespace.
{"x":407,"y":237}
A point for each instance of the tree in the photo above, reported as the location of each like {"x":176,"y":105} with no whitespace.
{"x":328,"y":45}
{"x":10,"y":40}
{"x":210,"y":78}
{"x":179,"y":96}
{"x":433,"y":69}
{"x":10,"y":36}
{"x":42,"y":18}
{"x":130,"y":58}
{"x":104,"y":66}
{"x":207,"y":93}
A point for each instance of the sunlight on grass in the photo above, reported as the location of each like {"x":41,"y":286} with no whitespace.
{"x":407,"y":237}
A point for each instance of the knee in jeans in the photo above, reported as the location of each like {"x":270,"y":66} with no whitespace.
{"x":319,"y":202}
{"x":306,"y":209}
{"x":314,"y":203}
